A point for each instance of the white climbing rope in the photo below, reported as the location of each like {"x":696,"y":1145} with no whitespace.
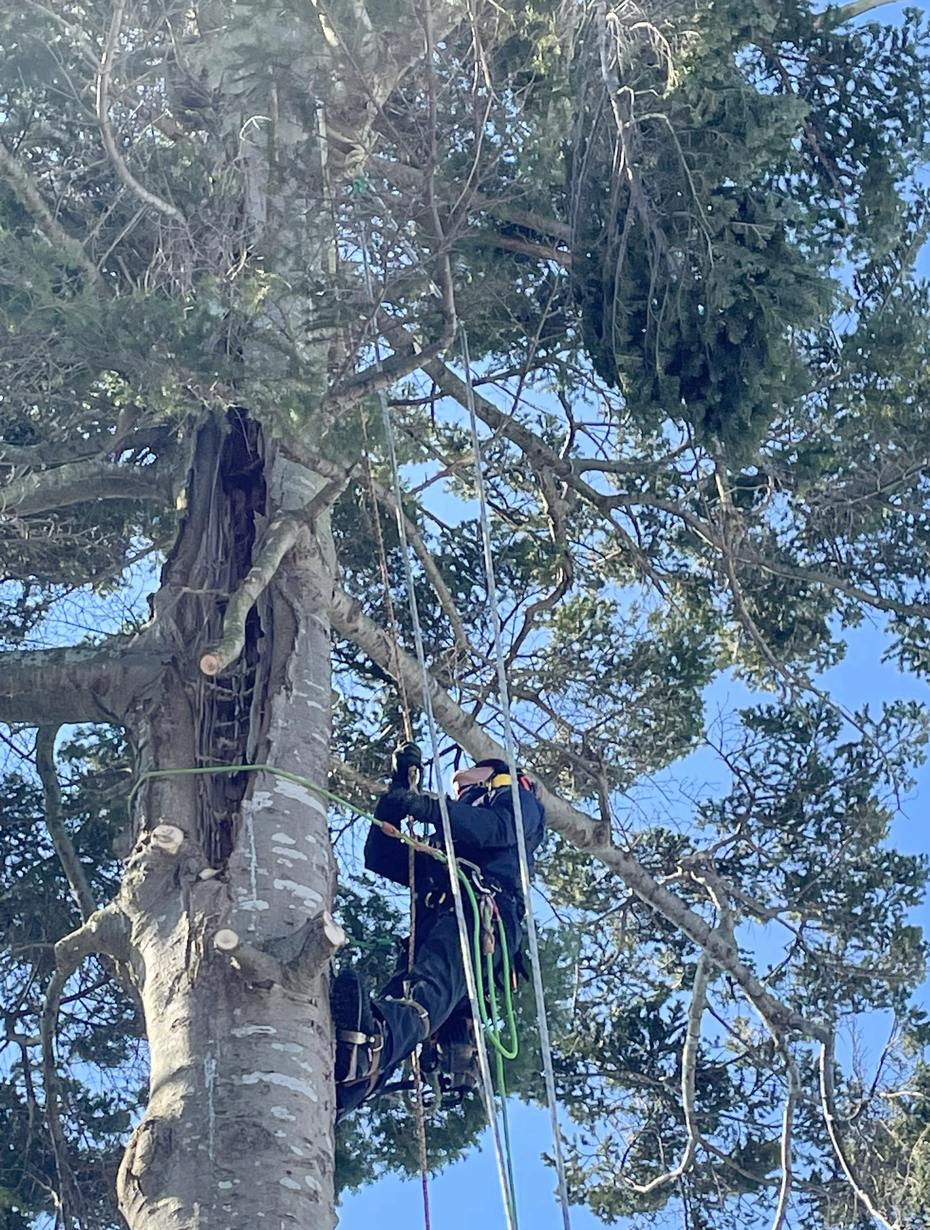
{"x":480,"y":1045}
{"x":510,"y":748}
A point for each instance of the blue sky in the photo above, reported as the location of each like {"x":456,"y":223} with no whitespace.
{"x":467,"y":1194}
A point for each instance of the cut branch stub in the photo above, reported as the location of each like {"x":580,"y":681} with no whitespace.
{"x":293,"y":960}
{"x":167,"y":837}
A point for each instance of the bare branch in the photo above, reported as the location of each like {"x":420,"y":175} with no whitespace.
{"x":838,"y":15}
{"x":104,"y":71}
{"x":106,"y":931}
{"x":787,"y":1125}
{"x":832,"y":1119}
{"x":281,"y":535}
{"x":322,"y":465}
{"x":45,"y":687}
{"x":82,"y":482}
{"x":689,"y":1056}
{"x":61,"y":838}
{"x":582,"y":830}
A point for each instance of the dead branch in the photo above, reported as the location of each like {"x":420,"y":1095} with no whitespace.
{"x":281,"y":535}
{"x":104,"y":72}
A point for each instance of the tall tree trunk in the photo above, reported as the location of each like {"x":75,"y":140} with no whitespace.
{"x":238,"y":1127}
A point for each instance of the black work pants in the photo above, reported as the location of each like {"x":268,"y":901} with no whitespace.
{"x":436,"y":980}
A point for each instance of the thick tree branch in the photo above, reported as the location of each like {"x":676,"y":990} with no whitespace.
{"x":61,"y":838}
{"x":46,"y":687}
{"x":82,"y":482}
{"x":580,"y":829}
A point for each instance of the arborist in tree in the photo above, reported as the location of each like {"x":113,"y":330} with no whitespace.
{"x":429,"y":1000}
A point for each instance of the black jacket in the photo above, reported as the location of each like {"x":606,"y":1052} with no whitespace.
{"x":485,"y":835}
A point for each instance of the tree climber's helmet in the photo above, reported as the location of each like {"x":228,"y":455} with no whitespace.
{"x":474,"y":784}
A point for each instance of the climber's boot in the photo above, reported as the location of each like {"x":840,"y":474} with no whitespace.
{"x":359,"y":1042}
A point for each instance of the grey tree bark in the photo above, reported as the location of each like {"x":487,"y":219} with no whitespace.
{"x":238,"y":1128}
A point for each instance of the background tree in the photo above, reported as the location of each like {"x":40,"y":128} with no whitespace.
{"x":677,"y":245}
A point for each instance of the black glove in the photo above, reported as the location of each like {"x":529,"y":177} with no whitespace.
{"x":406,"y":757}
{"x":396,"y":804}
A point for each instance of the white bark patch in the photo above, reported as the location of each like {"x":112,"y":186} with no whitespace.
{"x":292,"y":1048}
{"x":224,"y":1185}
{"x":209,"y":1079}
{"x":299,"y":890}
{"x":304,"y":1088}
{"x":283,"y":839}
{"x":279,"y":1112}
{"x":286,"y":1182}
{"x":287,"y":855}
{"x":253,"y":905}
{"x":300,"y":794}
{"x":246,"y":1031}
{"x":312,"y":1183}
